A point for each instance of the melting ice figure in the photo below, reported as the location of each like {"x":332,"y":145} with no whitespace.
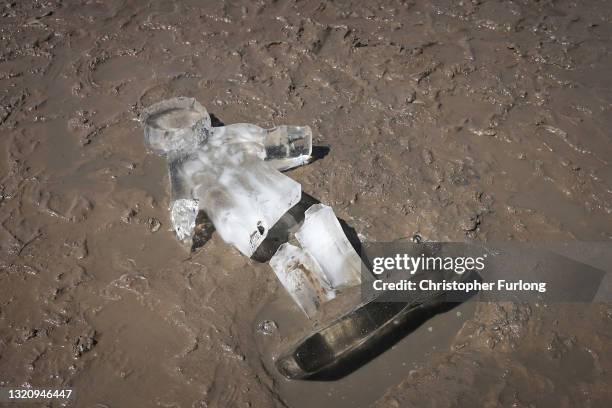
{"x":230,"y":177}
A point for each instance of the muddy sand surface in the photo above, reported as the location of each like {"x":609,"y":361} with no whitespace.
{"x":480,"y":121}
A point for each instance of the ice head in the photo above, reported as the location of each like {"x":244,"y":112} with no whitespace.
{"x":175,"y":125}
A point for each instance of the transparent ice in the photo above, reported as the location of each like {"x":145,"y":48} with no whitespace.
{"x":183,"y":213}
{"x":325,"y":264}
{"x":323,"y":238}
{"x":302,"y":277}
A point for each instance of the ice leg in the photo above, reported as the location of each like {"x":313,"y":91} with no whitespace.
{"x":322,"y":237}
{"x":288,"y":146}
{"x":302,"y":277}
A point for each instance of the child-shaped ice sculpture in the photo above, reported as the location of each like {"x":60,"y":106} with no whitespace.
{"x":233,"y":174}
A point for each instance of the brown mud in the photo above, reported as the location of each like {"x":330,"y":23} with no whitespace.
{"x":457,"y":120}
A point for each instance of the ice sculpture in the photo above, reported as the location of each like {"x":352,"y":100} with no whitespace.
{"x":229,"y":178}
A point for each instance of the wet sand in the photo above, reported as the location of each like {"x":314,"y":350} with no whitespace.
{"x":480,"y":121}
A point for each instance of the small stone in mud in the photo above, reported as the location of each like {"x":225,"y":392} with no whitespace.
{"x":78,"y":249}
{"x":484,"y":132}
{"x":129,"y":215}
{"x":81,"y":120}
{"x":427,"y":156}
{"x":470,"y":224}
{"x":27,"y":334}
{"x":392,"y":402}
{"x":153,"y":224}
{"x":267,"y":327}
{"x":411,"y":97}
{"x":84,"y":344}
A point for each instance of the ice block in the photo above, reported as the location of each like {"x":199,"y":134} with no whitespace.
{"x":323,"y":238}
{"x":302,"y":277}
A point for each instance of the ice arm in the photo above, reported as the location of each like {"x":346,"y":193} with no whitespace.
{"x":285,"y":147}
{"x":288,"y":146}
